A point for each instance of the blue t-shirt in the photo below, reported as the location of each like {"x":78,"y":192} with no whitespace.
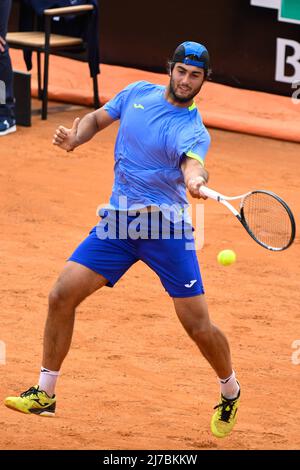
{"x":152,"y":139}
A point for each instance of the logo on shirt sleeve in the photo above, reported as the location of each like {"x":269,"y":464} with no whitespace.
{"x":138,"y":106}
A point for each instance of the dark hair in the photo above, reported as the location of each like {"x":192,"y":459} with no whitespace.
{"x":171,"y":64}
{"x":191,"y":53}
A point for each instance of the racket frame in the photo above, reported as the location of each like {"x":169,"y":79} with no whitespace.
{"x":212,"y":194}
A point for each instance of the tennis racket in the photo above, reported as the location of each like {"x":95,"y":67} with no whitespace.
{"x":265,"y":216}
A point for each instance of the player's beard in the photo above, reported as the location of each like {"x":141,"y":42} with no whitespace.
{"x":181,"y":99}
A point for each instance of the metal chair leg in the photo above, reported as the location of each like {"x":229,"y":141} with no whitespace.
{"x":96,"y":92}
{"x":46,"y":67}
{"x":40,"y":91}
{"x":45,"y":87}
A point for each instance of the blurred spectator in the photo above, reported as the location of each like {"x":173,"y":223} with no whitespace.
{"x":7,"y":111}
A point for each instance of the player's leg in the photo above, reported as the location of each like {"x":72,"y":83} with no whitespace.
{"x":95,"y":263}
{"x":193,"y":315}
{"x":180,"y":275}
{"x":75,"y":283}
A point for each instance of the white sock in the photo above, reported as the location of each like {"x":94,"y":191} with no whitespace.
{"x":229,"y":387}
{"x":48,"y":380}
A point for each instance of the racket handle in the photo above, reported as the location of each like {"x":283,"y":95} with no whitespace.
{"x":210,"y":193}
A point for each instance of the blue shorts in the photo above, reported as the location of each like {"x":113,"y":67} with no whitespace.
{"x":112,"y":255}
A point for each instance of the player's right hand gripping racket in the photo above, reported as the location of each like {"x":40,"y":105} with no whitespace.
{"x":265,"y":216}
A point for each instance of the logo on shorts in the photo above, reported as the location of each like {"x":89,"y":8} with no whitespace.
{"x":138,"y":106}
{"x":190,"y":284}
{"x":288,"y":10}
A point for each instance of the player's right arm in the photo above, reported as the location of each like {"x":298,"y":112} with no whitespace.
{"x":82,"y":130}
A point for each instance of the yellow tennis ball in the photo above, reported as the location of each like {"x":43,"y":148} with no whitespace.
{"x":226,"y":257}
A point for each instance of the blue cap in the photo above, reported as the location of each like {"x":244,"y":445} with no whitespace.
{"x":192,"y":53}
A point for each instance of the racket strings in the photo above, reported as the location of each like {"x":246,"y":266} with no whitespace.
{"x":267,"y":219}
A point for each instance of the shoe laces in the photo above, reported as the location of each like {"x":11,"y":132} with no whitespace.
{"x":226,"y":407}
{"x":30,"y":391}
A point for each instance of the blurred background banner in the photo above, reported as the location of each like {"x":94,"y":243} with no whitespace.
{"x":253,"y":44}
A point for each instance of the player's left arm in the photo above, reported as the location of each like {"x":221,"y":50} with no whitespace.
{"x":195,"y":175}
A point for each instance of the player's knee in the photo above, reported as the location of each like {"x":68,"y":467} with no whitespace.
{"x":200,"y":331}
{"x":59,"y":299}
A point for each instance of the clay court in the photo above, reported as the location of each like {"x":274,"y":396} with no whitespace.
{"x":133,"y":379}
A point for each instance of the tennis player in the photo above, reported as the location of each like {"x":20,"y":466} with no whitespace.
{"x":159,"y":153}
